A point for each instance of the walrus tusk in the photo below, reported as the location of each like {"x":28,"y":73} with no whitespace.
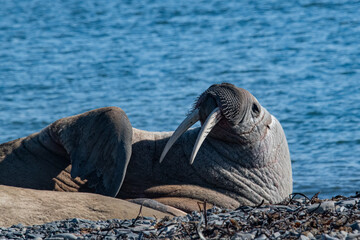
{"x":185,"y":125}
{"x":214,"y":117}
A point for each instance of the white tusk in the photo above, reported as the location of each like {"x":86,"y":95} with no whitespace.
{"x":185,"y":125}
{"x":214,"y":117}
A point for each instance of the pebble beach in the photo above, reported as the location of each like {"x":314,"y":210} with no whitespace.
{"x":298,"y":217}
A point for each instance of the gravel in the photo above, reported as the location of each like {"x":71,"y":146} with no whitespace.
{"x":295,"y":218}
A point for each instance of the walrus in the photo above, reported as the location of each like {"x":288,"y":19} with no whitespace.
{"x":239,"y":155}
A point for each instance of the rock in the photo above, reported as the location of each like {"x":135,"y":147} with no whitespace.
{"x":342,"y":235}
{"x":276,"y":235}
{"x":281,"y":207}
{"x":123,"y":231}
{"x":67,"y":236}
{"x":17,"y":226}
{"x":310,"y":235}
{"x":35,"y":236}
{"x":356,"y":225}
{"x":347,"y":203}
{"x":262,"y":237}
{"x":242,"y":236}
{"x":327,"y":237}
{"x":340,"y":208}
{"x":112,"y":238}
{"x":302,"y":237}
{"x":75,"y":220}
{"x":352,"y":236}
{"x":321,"y":208}
{"x":140,"y":228}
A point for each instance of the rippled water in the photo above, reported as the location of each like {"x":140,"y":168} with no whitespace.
{"x":152,"y":58}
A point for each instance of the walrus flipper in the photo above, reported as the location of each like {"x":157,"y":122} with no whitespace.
{"x":98,"y":143}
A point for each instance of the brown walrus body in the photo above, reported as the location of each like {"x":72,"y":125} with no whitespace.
{"x":243,"y":158}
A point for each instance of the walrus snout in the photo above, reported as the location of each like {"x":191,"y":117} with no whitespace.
{"x":218,"y":102}
{"x":232,"y":101}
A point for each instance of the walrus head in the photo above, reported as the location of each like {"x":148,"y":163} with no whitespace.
{"x":226,"y":112}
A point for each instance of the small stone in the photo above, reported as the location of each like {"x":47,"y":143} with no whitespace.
{"x":95,"y":226}
{"x":328,"y":237}
{"x":17,"y":226}
{"x":342,"y":234}
{"x":294,"y":233}
{"x":75,"y":220}
{"x":83,"y":225}
{"x":35,"y":236}
{"x":10,"y":235}
{"x":324,"y":206}
{"x":340,"y":208}
{"x":302,"y":213}
{"x":122,"y":231}
{"x":302,"y":237}
{"x":276,"y":235}
{"x":347,"y":203}
{"x":310,"y":235}
{"x":148,"y":233}
{"x":132,"y":236}
{"x":352,"y":236}
{"x":262,"y":237}
{"x":111,"y":238}
{"x":242,"y":236}
{"x":285,"y":234}
{"x":355,"y":225}
{"x":103,"y":233}
{"x":67,"y":236}
{"x":281,"y":207}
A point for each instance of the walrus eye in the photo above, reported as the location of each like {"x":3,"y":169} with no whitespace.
{"x":255,"y":109}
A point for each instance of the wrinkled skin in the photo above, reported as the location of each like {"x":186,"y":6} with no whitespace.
{"x":243,"y":160}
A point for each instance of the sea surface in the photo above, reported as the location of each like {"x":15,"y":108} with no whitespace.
{"x":300,"y":59}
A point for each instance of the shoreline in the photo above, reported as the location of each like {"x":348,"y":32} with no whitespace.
{"x":297,"y":218}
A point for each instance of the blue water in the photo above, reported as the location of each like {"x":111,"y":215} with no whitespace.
{"x":301,"y":59}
